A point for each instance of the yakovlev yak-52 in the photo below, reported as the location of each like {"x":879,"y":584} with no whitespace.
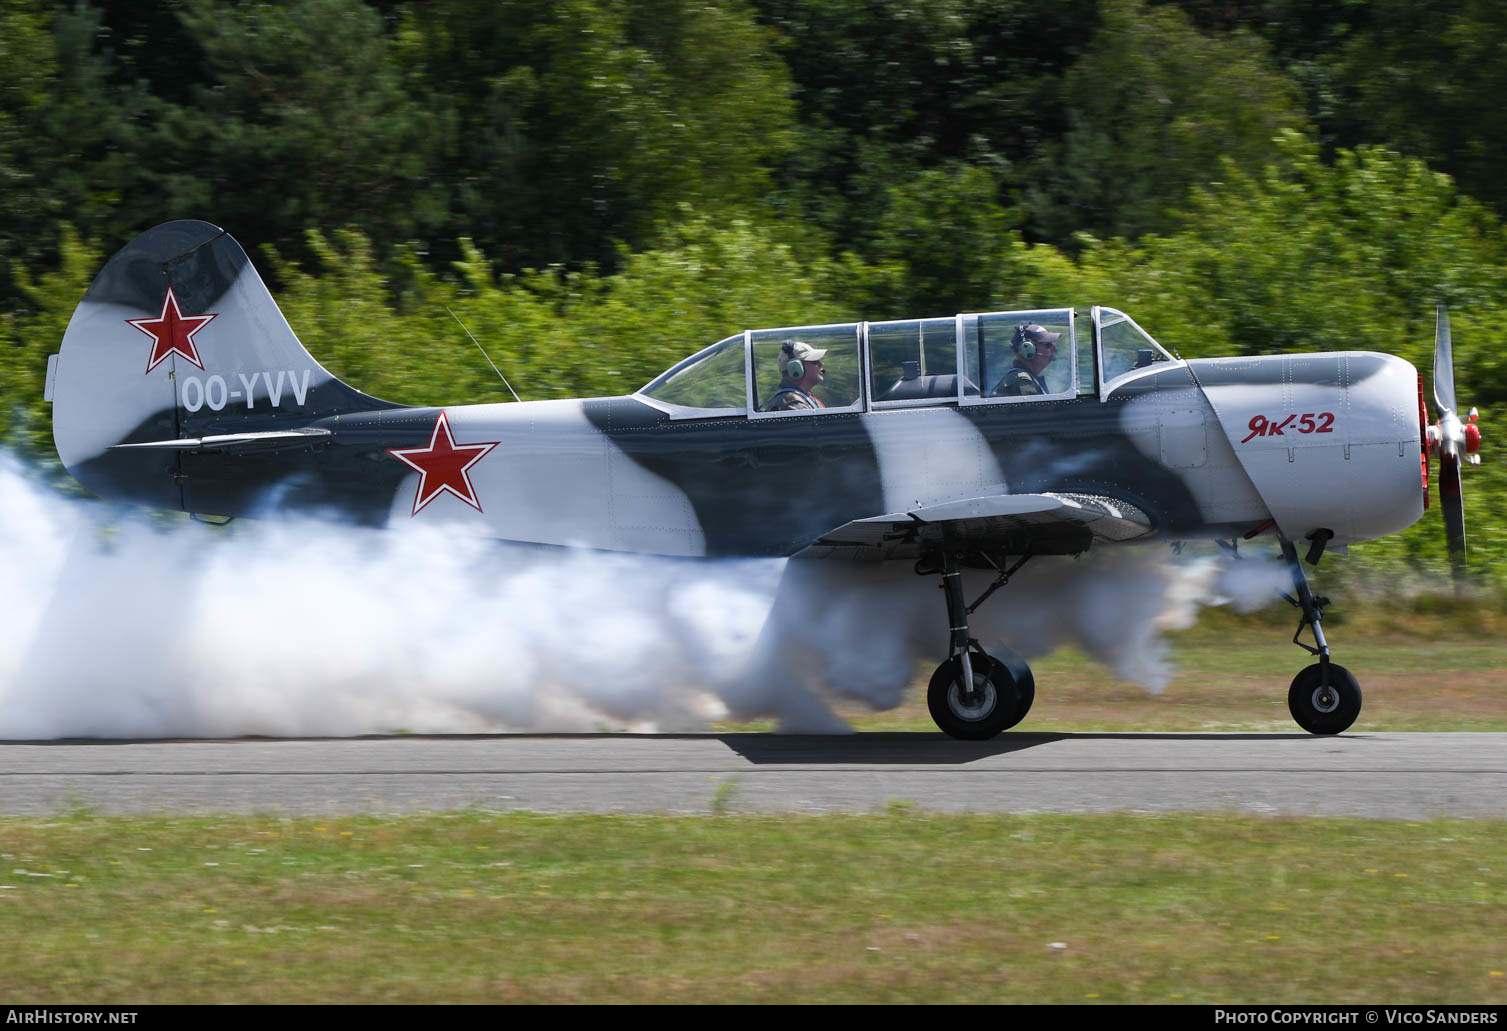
{"x":932,"y":444}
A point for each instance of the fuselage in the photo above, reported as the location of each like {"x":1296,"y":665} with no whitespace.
{"x":1208,"y":448}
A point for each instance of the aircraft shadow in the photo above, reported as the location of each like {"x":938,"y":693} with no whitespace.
{"x":912,"y":748}
{"x":875,"y":748}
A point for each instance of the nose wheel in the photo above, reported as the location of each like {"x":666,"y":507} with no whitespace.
{"x":1321,"y":707}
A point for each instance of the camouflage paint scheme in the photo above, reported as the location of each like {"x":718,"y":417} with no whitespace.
{"x":159,"y":403}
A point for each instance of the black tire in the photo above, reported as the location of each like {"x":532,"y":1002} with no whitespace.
{"x":1320,"y":712}
{"x":998,"y":703}
{"x":1025,"y":684}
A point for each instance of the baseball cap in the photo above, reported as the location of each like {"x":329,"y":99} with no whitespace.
{"x":1036,"y":334}
{"x":802,"y":351}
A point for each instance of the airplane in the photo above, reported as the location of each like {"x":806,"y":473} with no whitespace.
{"x":927,"y":445}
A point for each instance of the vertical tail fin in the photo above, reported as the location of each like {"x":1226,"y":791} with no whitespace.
{"x":178,"y":339}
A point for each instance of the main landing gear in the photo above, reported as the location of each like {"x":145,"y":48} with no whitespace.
{"x":975,"y":695}
{"x":1324,"y":698}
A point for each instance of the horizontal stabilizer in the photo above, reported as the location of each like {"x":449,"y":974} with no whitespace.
{"x":239,"y":443}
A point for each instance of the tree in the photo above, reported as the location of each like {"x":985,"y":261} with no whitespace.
{"x":945,"y":245}
{"x":304,"y":118}
{"x":28,"y":336}
{"x":1424,"y":77}
{"x":27,"y":61}
{"x":886,"y":92}
{"x":1154,"y":108}
{"x":1428,"y":77}
{"x":582,"y":125}
{"x":69,"y":127}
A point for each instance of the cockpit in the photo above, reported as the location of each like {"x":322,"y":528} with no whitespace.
{"x":1006,"y":357}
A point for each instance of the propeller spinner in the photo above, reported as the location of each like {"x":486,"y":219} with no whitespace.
{"x":1454,"y":441}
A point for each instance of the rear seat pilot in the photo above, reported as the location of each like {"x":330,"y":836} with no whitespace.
{"x":801,"y":371}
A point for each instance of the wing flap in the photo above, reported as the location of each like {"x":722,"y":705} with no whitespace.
{"x":1040,"y":524}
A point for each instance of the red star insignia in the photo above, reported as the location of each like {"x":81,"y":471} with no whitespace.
{"x":442,"y":465}
{"x":172,"y":332}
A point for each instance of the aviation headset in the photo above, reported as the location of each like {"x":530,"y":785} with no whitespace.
{"x":795,"y":369}
{"x":1024,"y":345}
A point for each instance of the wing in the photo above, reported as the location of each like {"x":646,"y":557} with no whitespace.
{"x":1014,"y":524}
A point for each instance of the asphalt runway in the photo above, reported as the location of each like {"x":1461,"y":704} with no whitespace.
{"x":1405,"y":776}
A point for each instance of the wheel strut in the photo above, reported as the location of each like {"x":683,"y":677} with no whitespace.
{"x":1312,"y":608}
{"x":974,"y":695}
{"x":959,"y":638}
{"x":1324,"y":698}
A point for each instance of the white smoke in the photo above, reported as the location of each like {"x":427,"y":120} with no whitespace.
{"x":861,"y":630}
{"x":114,"y":626}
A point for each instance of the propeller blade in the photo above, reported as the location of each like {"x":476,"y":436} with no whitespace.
{"x":1444,"y":364}
{"x":1452,"y":501}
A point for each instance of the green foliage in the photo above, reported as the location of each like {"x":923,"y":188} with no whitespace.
{"x":27,"y":338}
{"x":305,"y":116}
{"x":26,"y":62}
{"x":1428,"y":76}
{"x":710,"y":279}
{"x":346,"y":318}
{"x":26,"y":58}
{"x":888,"y":94}
{"x":583,"y":124}
{"x":69,"y":134}
{"x":945,"y":246}
{"x":1304,"y":256}
{"x":1425,"y":76}
{"x":1354,"y":255}
{"x":1153,"y":109}
{"x":551,"y":133}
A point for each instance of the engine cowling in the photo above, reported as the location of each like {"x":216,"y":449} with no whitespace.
{"x":1330,"y":440}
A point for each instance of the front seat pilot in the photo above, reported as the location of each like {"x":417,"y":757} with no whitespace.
{"x":1035,"y":347}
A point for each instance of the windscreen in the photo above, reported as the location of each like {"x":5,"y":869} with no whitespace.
{"x":712,"y":378}
{"x":1124,"y":346}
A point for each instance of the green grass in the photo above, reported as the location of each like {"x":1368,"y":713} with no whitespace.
{"x":898,"y":906}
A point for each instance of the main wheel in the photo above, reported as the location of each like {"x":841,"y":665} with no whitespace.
{"x":1324,"y":710}
{"x":999,"y":698}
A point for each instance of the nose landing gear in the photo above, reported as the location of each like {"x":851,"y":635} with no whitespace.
{"x":1324,"y":698}
{"x":975,"y":695}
